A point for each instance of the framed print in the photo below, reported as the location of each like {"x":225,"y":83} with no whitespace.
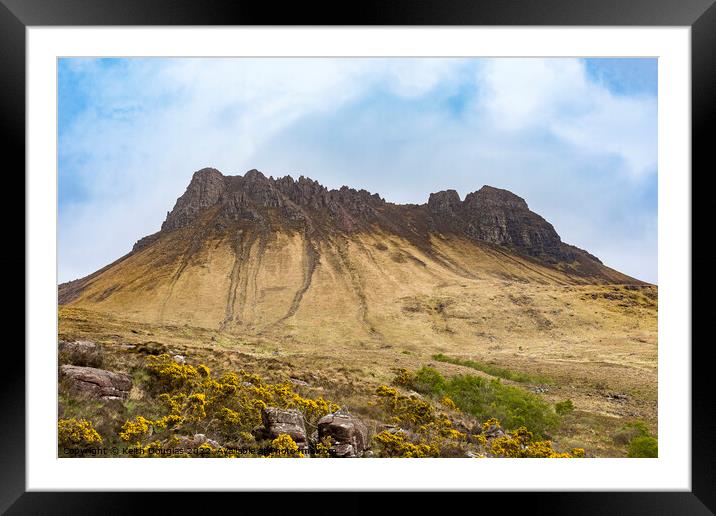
{"x":428,"y":248}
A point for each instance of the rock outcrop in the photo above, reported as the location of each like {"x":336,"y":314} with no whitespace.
{"x":96,"y":383}
{"x":206,"y":187}
{"x":278,"y":421}
{"x":348,"y":434}
{"x":488,"y":215}
{"x":499,"y":217}
{"x":446,"y":203}
{"x":77,"y":346}
{"x":247,"y":197}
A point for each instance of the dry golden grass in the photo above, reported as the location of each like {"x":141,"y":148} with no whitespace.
{"x":374,"y":303}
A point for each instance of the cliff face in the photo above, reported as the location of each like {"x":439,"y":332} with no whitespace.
{"x":500,"y":217}
{"x":205,"y":189}
{"x":488,"y":215}
{"x":248,"y":197}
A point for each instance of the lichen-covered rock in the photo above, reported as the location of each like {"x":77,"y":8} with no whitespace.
{"x":96,"y":383}
{"x":348,"y":434}
{"x":278,"y":421}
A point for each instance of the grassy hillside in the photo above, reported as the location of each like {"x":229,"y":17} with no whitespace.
{"x":345,"y":312}
{"x":596,"y":345}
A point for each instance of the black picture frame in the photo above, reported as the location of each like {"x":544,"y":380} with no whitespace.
{"x":17,"y":15}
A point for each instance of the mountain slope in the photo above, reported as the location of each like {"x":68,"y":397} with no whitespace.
{"x":251,"y":253}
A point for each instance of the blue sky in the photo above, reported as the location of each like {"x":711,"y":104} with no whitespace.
{"x":577,"y":138}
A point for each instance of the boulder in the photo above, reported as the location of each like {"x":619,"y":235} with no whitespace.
{"x":96,"y":383}
{"x":343,"y":450}
{"x":278,"y":421}
{"x":80,"y":353}
{"x":78,"y":346}
{"x":349,"y":434}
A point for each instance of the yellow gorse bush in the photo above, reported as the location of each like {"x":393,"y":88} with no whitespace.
{"x":196,"y":406}
{"x":229,"y":406}
{"x":323,"y":447}
{"x":285,"y":446}
{"x":448,"y":403}
{"x":577,"y":452}
{"x":77,"y":432}
{"x":406,"y":409}
{"x":491,"y":423}
{"x":168,"y":421}
{"x":169,"y":373}
{"x":520,"y":444}
{"x":403,"y":378}
{"x":433,"y":434}
{"x":136,"y":430}
{"x":395,"y":444}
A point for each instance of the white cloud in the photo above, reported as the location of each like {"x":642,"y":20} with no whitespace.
{"x":538,"y":127}
{"x":556,"y":95}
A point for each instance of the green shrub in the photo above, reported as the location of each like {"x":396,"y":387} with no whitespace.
{"x":630,"y":431}
{"x":638,"y":438}
{"x":485,"y":399}
{"x":564,"y":407}
{"x":644,"y":446}
{"x":512,"y":406}
{"x":428,"y":381}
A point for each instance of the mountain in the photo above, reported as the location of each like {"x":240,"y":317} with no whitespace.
{"x":256,"y":253}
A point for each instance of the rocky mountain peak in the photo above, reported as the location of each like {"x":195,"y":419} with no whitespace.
{"x":446,"y":202}
{"x":247,"y":197}
{"x":205,"y":189}
{"x":490,"y":214}
{"x":206,"y":173}
{"x":495,"y":197}
{"x":501,"y":217}
{"x":254,"y":175}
